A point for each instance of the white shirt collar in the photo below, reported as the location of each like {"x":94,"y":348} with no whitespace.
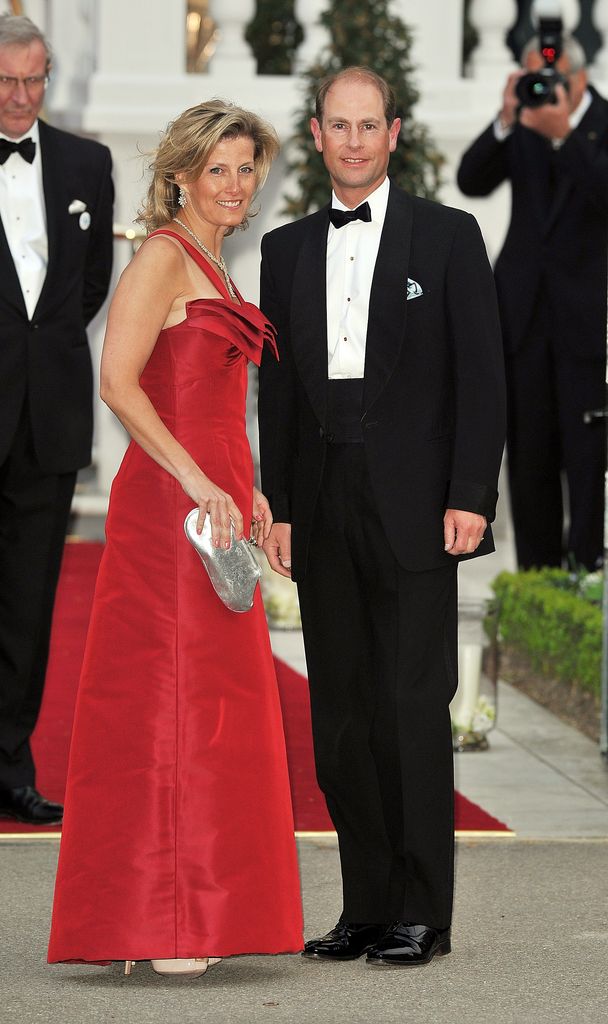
{"x":378,"y":201}
{"x":578,"y":114}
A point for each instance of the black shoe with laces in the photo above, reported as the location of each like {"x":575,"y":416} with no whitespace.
{"x":409,"y":945}
{"x":27,"y":805}
{"x":344,"y":942}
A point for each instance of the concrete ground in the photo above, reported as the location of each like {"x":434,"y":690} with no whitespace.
{"x":530,"y":946}
{"x":530,"y":938}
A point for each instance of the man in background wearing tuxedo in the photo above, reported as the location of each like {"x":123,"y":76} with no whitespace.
{"x":55,"y":262}
{"x":551,"y":283}
{"x":381,"y":434}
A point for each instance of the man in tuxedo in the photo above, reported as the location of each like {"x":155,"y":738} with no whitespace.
{"x":55,"y":262}
{"x":381,"y":432}
{"x":551,"y":283}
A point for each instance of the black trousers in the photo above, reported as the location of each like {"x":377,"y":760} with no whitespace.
{"x":34,"y":511}
{"x":381,"y":649}
{"x":548,"y":391}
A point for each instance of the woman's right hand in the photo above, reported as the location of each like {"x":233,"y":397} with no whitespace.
{"x":218,"y":503}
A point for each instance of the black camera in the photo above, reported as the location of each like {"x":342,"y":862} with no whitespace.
{"x":538,"y":87}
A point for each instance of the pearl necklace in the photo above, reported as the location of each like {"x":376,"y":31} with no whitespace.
{"x":218,"y":262}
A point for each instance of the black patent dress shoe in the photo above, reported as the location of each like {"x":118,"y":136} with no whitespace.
{"x":344,"y":942}
{"x":27,"y":805}
{"x":409,"y":945}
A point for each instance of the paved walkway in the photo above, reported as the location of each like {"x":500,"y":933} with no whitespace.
{"x":530,"y":947}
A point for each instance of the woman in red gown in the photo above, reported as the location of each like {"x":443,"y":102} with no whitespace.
{"x":178,"y":842}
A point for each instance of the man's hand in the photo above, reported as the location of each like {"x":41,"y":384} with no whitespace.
{"x":550,"y":120}
{"x":462,"y":531}
{"x":510,"y":102}
{"x":277,"y":548}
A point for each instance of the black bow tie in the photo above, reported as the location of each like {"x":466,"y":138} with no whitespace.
{"x":341,"y":217}
{"x":26,"y":148}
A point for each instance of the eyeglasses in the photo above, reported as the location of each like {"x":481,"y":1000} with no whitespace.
{"x":33,"y":85}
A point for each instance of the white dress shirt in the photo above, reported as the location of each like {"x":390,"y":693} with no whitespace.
{"x":23,"y":216}
{"x":352,"y":251}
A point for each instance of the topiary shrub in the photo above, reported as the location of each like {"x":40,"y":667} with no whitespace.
{"x":554,"y":618}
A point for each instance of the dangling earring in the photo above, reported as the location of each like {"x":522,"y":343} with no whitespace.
{"x":182,"y":197}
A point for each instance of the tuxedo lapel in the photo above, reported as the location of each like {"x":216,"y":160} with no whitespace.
{"x":562,"y":191}
{"x":592,"y":127}
{"x":388,"y":306}
{"x":55,"y":193}
{"x":11,"y":288}
{"x":309,"y":313}
{"x":536,"y":158}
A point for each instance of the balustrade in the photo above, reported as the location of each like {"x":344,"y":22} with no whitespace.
{"x":492,"y":58}
{"x":308,"y":13}
{"x":600,"y":65}
{"x":232,"y":51}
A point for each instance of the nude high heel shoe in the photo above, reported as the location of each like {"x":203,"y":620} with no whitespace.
{"x":179,"y":968}
{"x":192,"y":968}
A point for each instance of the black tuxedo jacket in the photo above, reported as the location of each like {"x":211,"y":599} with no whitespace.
{"x":433,"y":418}
{"x":558,"y":233}
{"x":48,"y":357}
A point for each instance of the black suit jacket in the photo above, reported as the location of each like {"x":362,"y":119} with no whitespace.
{"x":557,"y":237}
{"x":433,"y":417}
{"x":48,"y":357}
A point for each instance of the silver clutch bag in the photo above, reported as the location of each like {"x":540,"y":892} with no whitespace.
{"x":234,"y":571}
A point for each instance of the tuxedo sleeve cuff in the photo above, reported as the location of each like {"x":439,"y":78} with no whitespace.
{"x":279,"y":506}
{"x":471,"y":497}
{"x":501,"y":131}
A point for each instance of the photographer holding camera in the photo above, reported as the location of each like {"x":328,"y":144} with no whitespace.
{"x":550,"y":140}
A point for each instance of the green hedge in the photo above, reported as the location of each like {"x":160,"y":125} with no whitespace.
{"x":554,"y":619}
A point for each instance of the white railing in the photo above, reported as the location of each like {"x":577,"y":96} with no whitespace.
{"x":144,"y":37}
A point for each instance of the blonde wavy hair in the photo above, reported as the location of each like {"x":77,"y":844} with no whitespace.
{"x":185,"y":149}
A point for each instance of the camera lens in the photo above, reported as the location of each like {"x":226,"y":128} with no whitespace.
{"x":537,"y":88}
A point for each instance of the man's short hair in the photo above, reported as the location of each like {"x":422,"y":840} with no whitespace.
{"x":362,"y":73}
{"x":571,"y":48}
{"x":16,"y":30}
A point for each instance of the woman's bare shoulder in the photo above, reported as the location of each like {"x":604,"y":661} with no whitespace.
{"x":157,"y":260}
{"x":161,"y":247}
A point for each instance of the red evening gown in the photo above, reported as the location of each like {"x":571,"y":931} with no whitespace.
{"x":178,"y":831}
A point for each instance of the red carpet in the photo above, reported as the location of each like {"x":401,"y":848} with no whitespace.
{"x":51,"y":739}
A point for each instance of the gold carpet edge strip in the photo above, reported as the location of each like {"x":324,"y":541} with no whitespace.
{"x":11,"y":837}
{"x":6,"y":837}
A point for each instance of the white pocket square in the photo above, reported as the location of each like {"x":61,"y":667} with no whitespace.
{"x":77,"y":206}
{"x":414,"y":290}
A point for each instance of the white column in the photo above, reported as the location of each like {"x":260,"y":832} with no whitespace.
{"x":492,"y":58}
{"x":36,"y":11}
{"x":233,"y":51}
{"x":437,"y":30}
{"x":71,"y":31}
{"x":141,"y":38}
{"x":600,"y":17}
{"x":315,"y":35}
